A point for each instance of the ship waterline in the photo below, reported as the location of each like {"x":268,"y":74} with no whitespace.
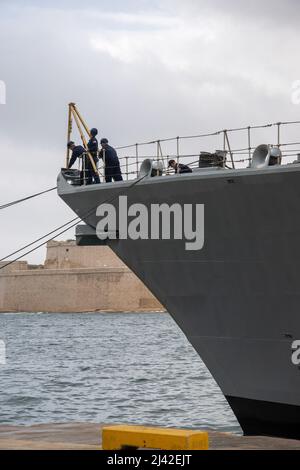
{"x":237,"y":299}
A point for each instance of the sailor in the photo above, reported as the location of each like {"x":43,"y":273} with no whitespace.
{"x":79,"y":152}
{"x":179,"y":167}
{"x":111,"y":162}
{"x":93,"y":149}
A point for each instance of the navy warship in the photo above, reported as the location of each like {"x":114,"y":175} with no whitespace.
{"x":237,"y":299}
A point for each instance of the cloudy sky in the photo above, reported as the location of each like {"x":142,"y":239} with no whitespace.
{"x":138,"y":69}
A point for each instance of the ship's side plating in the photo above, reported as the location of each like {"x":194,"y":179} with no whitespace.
{"x":237,"y":299}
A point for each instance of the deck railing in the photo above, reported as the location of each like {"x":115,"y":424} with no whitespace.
{"x":238,"y":143}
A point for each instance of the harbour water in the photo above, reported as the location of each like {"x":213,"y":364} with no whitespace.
{"x":106,"y":368}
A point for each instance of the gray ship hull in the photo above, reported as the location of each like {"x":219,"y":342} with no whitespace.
{"x":237,"y":300}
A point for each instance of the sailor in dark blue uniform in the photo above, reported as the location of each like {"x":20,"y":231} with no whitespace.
{"x":93,"y":149}
{"x":79,"y":152}
{"x":93,"y":142}
{"x":111,"y":162}
{"x":179,"y":167}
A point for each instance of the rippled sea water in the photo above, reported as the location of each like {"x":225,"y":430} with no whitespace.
{"x":106,"y":368}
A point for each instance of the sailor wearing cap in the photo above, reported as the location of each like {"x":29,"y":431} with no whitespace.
{"x":111,"y":162}
{"x":93,"y":149}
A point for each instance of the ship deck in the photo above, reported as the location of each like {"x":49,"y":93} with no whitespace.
{"x":80,"y":436}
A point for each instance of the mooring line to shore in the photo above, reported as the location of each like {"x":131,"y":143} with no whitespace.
{"x":76,"y":220}
{"x":12,"y":203}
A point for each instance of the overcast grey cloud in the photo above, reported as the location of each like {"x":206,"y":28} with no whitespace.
{"x":137,"y":70}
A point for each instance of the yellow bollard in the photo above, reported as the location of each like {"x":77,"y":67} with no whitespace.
{"x":122,"y":436}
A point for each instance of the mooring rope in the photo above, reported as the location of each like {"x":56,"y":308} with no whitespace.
{"x":9,"y":204}
{"x":73,"y":223}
